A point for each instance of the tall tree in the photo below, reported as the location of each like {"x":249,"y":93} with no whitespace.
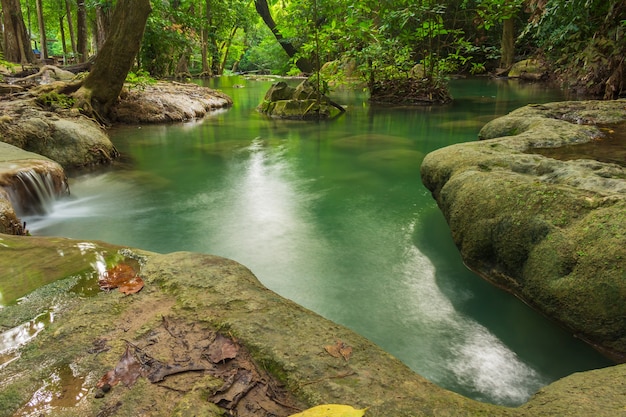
{"x":263,"y":10}
{"x":70,"y":25}
{"x":103,"y":21}
{"x":81,"y":27}
{"x":43,"y":41}
{"x":16,"y":40}
{"x":104,"y":83}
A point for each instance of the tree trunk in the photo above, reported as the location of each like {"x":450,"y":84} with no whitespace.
{"x":103,"y":22}
{"x":70,"y":25}
{"x":206,"y":69}
{"x":263,"y":10}
{"x":16,"y":40}
{"x":226,"y":48}
{"x":106,"y":79}
{"x":62,"y":30}
{"x":507,"y":47}
{"x":43,"y":47}
{"x":81,"y":26}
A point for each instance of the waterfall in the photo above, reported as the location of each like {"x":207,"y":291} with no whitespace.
{"x":34,"y":192}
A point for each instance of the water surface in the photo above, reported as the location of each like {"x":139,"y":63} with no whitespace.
{"x":334,"y":216}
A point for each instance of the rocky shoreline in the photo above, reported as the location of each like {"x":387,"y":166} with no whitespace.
{"x":285,"y":358}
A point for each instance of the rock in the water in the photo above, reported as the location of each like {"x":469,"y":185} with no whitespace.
{"x":167,"y":102}
{"x":550,"y":231}
{"x":298,"y":103}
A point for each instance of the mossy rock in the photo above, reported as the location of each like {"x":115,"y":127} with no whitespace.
{"x":547,"y":230}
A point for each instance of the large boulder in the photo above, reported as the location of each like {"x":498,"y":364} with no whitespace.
{"x":550,"y":231}
{"x":282,"y":101}
{"x":64,"y":136}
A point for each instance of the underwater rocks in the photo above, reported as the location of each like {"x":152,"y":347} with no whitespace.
{"x":550,"y":231}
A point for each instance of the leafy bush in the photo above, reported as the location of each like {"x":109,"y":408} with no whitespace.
{"x":139,"y":80}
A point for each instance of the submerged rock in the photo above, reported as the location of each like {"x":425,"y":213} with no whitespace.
{"x":200,"y":318}
{"x":549,"y":231}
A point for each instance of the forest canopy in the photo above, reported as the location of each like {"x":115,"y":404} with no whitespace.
{"x":581,"y":41}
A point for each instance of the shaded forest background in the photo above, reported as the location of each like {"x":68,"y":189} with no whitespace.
{"x":581,"y":42}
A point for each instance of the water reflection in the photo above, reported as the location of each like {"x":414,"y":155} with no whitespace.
{"x":12,"y":339}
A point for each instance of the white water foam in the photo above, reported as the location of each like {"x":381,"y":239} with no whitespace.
{"x":477,"y":359}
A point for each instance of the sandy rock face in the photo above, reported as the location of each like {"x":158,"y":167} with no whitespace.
{"x":550,"y":231}
{"x":167,"y":102}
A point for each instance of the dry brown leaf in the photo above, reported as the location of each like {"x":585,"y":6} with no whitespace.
{"x":339,"y":350}
{"x":222,"y":348}
{"x":127,"y":370}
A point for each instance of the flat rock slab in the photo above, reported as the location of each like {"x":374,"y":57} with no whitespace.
{"x":203,"y":334}
{"x":167,"y":102}
{"x":549,"y":231}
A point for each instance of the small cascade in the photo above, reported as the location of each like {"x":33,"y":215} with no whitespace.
{"x":34,"y":192}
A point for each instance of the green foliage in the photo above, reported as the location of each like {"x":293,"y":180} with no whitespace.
{"x":585,"y":39}
{"x":54,"y":100}
{"x":139,"y":80}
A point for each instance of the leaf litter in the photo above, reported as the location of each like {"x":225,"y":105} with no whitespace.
{"x":243,"y":389}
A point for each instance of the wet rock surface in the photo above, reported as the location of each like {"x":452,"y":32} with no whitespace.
{"x":550,"y":231}
{"x":204,"y":337}
{"x":26,"y":179}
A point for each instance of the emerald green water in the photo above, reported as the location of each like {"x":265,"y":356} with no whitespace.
{"x":334,"y":216}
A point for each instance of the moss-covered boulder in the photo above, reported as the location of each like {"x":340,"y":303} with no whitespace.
{"x":550,"y":231}
{"x":302,"y":102}
{"x":529,"y":69}
{"x":205,"y":338}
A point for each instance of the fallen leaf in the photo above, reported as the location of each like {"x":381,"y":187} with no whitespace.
{"x":331,"y":410}
{"x":122,"y":276}
{"x":127,"y":370}
{"x":222,"y":348}
{"x":132,"y":286}
{"x":339,"y":350}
